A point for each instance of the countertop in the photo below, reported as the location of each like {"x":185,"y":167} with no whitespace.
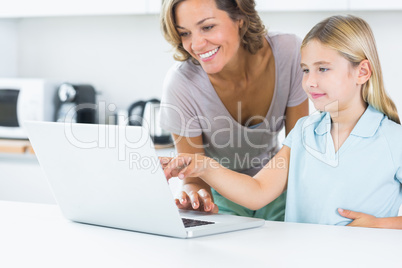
{"x":24,"y":146}
{"x":15,"y":146}
{"x":37,"y":235}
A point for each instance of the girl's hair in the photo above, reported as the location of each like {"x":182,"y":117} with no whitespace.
{"x":251,"y":34}
{"x":353,"y":39}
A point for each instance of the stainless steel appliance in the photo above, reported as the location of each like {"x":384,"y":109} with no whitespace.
{"x":146,"y":114}
{"x":76,"y":104}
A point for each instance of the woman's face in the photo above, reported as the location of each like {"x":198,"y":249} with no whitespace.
{"x":207,"y":33}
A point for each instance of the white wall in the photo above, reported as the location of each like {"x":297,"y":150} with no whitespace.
{"x":8,"y":47}
{"x":126,"y":57}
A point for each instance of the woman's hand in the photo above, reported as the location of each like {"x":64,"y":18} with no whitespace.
{"x":199,"y":200}
{"x":194,"y":197}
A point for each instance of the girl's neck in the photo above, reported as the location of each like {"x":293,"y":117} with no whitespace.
{"x":346,"y":118}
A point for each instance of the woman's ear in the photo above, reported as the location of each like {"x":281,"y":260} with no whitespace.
{"x":364,"y":73}
{"x":241,"y":23}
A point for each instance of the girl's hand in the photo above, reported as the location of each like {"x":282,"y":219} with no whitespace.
{"x":359,"y":219}
{"x":184,"y":165}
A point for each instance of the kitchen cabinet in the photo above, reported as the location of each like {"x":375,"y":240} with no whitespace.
{"x":375,"y":5}
{"x":51,"y":8}
{"x":45,"y":8}
{"x":297,"y":5}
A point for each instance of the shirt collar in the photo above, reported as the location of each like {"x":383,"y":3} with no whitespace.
{"x":366,"y":126}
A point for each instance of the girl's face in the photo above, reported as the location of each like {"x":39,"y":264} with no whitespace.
{"x":207,"y":33}
{"x":330,"y":81}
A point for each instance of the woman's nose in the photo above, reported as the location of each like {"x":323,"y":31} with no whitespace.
{"x":197,"y":43}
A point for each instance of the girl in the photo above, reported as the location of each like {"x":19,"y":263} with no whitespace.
{"x":342,"y":166}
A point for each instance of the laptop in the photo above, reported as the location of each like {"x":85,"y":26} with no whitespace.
{"x":110,"y":176}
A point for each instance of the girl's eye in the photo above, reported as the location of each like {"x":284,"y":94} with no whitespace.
{"x":305,"y":71}
{"x":323,"y":69}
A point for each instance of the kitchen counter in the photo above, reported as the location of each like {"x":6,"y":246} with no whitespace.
{"x":24,"y":146}
{"x":37,"y":235}
{"x":15,"y":146}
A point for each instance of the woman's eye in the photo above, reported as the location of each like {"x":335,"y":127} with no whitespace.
{"x":207,"y":28}
{"x":323,"y":69}
{"x":183,"y":34}
{"x":305,"y":71}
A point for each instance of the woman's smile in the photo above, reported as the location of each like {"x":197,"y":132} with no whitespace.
{"x":209,"y":55}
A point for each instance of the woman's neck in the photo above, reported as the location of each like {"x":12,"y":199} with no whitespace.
{"x":243,"y":67}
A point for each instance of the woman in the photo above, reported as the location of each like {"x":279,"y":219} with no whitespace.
{"x":233,"y":90}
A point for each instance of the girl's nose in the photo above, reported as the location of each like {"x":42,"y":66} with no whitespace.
{"x":311,"y":80}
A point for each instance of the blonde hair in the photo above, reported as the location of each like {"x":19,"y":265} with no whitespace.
{"x":251,"y":34}
{"x":352,"y":37}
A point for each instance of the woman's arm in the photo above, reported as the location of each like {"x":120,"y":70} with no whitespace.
{"x":251,"y":192}
{"x":295,"y":113}
{"x":196,"y":193}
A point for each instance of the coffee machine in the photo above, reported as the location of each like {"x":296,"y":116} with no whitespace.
{"x":76,"y":104}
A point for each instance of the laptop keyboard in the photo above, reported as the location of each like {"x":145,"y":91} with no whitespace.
{"x":193,"y":223}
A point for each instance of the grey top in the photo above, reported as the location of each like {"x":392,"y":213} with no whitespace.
{"x":191,"y":107}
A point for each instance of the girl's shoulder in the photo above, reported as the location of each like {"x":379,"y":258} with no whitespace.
{"x":392,"y":131}
{"x":311,"y":121}
{"x":393,"y":134}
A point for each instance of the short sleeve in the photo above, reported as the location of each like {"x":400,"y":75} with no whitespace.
{"x":288,"y":139}
{"x":296,"y":93}
{"x":296,"y":133}
{"x":393,"y":134}
{"x":178,"y":112}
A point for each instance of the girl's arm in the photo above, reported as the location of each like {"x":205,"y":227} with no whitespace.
{"x":251,"y":192}
{"x":365,"y":220}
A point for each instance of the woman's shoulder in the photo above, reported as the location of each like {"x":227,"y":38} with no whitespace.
{"x":184,"y":74}
{"x":284,"y":41}
{"x":185,"y":70}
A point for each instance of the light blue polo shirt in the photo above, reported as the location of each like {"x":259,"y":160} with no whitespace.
{"x":365,"y":174}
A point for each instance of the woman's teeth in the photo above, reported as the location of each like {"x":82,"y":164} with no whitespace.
{"x":209,"y":54}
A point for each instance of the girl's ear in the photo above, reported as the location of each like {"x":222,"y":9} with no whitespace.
{"x":364,"y":69}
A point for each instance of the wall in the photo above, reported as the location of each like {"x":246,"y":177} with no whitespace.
{"x":126,"y":57}
{"x":8,"y":47}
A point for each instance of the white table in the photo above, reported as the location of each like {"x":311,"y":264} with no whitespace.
{"x":36,"y":235}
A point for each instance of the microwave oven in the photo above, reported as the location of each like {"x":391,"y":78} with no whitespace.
{"x":25,"y":99}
